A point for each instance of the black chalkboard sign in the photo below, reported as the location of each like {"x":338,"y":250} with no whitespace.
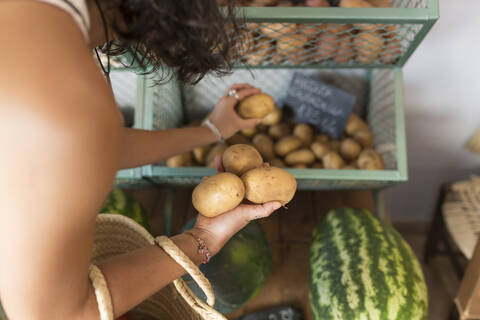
{"x":319,"y":104}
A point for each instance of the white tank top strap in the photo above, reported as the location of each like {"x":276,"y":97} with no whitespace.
{"x":78,"y":10}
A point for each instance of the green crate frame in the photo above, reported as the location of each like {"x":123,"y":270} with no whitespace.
{"x":307,"y":179}
{"x":134,"y":178}
{"x":425,"y":16}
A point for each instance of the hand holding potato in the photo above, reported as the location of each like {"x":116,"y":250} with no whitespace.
{"x":218,"y":230}
{"x":224,"y":116}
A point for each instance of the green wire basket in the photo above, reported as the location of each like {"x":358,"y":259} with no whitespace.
{"x":333,"y":37}
{"x":379,"y":95}
{"x":360,"y":50}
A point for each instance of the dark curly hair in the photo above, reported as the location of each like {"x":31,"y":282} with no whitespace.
{"x":193,"y":37}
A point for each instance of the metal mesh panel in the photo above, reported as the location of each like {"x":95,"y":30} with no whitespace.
{"x":409,"y":3}
{"x":381,"y":116}
{"x":124,"y":86}
{"x":167,"y":105}
{"x":324,"y":44}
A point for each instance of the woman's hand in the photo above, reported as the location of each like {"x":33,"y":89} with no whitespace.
{"x":224,"y":117}
{"x":218,"y":230}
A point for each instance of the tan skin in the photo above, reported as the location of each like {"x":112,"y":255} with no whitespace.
{"x":62,"y":142}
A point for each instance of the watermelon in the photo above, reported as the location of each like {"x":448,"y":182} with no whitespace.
{"x":3,"y":316}
{"x":120,"y":202}
{"x":239,"y":271}
{"x":361,"y":268}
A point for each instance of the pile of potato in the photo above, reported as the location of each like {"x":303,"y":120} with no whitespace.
{"x":247,"y":177}
{"x":290,"y":144}
{"x":279,"y":43}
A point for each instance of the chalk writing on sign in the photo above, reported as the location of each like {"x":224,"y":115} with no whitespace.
{"x":319,"y":104}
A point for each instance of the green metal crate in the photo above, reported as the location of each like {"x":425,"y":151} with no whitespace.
{"x":306,"y":37}
{"x":128,"y":89}
{"x":380,"y":99}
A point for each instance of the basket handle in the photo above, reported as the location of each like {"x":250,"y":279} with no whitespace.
{"x":195,"y":303}
{"x":104,"y":301}
{"x":102,"y":294}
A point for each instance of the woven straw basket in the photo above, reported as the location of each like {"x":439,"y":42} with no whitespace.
{"x":116,"y":234}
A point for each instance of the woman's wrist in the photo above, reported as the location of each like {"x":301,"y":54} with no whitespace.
{"x":207,"y":238}
{"x":214,"y":129}
{"x":211,"y":137}
{"x":189,"y":247}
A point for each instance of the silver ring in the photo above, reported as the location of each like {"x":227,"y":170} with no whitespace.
{"x":233,"y":93}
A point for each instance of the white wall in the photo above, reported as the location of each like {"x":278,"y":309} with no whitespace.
{"x":442,"y":103}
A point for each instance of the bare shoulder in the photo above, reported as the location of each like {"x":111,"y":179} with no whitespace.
{"x":52,"y":89}
{"x":59,"y":135}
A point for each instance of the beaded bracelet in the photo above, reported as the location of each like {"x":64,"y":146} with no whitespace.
{"x":202,"y":247}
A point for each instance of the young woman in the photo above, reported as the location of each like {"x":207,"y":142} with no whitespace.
{"x":62,"y":141}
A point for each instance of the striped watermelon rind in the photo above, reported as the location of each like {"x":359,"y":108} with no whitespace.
{"x":120,"y":202}
{"x":361,"y":268}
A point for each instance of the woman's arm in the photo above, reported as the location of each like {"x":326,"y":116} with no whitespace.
{"x":141,"y":147}
{"x":61,"y":135}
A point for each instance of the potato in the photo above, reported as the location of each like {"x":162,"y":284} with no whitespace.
{"x":249,"y":132}
{"x":217,"y":150}
{"x":350,"y":149}
{"x":302,"y":156}
{"x":287,"y":144}
{"x":260,"y":51}
{"x":293,"y":47}
{"x":180,"y":160}
{"x":240,"y":158}
{"x":370,"y":159}
{"x":277,"y":162}
{"x":391,"y":51}
{"x":312,"y":30}
{"x":218,"y":194}
{"x":277,"y":30}
{"x":269,"y":184}
{"x":359,"y":131}
{"x":359,"y":4}
{"x":345,"y":49}
{"x":332,"y":160}
{"x":364,"y":137}
{"x":256,"y":106}
{"x":381,"y":3}
{"x":200,"y":153}
{"x":334,"y":145}
{"x":273,"y":117}
{"x":317,"y":165}
{"x":327,"y":45}
{"x":317,"y":3}
{"x":355,"y":123}
{"x":300,"y":166}
{"x":348,"y":167}
{"x":279,"y":130}
{"x":368,"y":47}
{"x":355,"y":4}
{"x":263,"y":3}
{"x":321,"y":138}
{"x":238,"y":138}
{"x":305,"y":133}
{"x":320,"y":149}
{"x":245,"y":43}
{"x":264,"y":144}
